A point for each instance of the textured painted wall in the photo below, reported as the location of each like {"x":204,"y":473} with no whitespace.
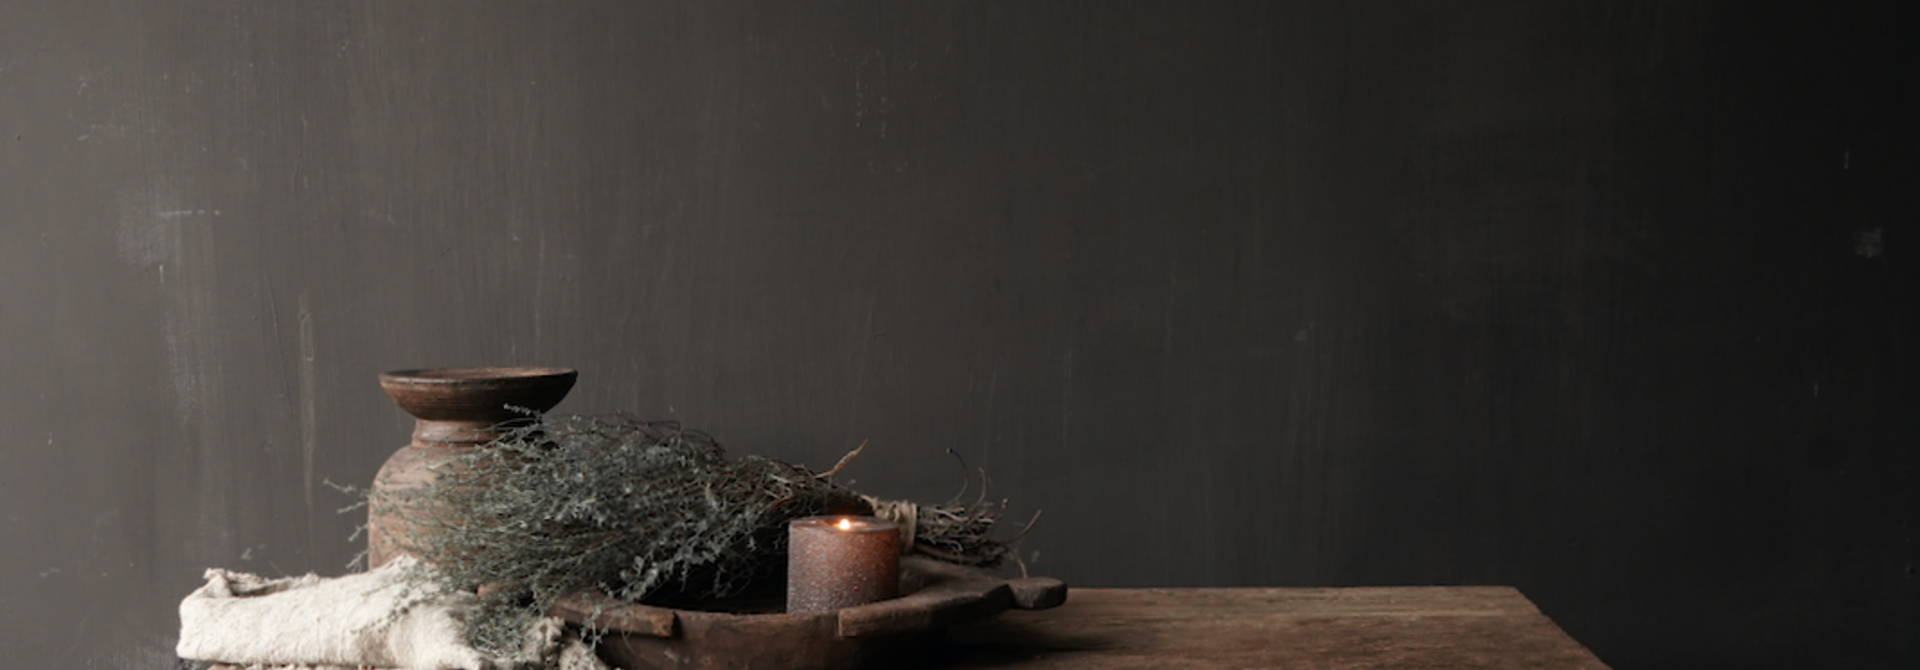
{"x":1604,"y":300}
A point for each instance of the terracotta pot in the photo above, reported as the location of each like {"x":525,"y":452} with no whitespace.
{"x":455,"y":409}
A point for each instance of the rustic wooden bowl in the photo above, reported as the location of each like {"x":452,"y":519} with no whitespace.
{"x":645,"y":637}
{"x":464,"y":404}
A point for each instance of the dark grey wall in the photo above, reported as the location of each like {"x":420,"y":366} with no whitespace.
{"x":1559,"y":295}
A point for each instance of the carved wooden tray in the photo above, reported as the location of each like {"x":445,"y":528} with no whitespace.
{"x":645,"y":637}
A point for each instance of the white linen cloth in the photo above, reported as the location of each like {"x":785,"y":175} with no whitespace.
{"x":344,"y":622}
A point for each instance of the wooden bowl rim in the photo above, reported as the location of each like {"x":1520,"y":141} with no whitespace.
{"x":475,"y":374}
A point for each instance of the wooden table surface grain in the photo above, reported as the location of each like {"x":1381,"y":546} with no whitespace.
{"x":1493,"y":627}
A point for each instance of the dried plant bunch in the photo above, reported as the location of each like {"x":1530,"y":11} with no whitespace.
{"x":638,"y":510}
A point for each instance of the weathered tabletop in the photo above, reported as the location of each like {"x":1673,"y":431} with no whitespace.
{"x":1399,"y":627}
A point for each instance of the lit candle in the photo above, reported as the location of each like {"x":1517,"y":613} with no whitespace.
{"x":841,"y":561}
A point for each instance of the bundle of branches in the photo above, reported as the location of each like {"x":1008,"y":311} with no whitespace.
{"x":639,"y":511}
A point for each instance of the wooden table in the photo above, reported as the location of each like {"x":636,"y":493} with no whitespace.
{"x":1430,"y":628}
{"x":1403,"y":627}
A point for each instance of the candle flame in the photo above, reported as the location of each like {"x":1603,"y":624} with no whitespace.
{"x":846,"y":524}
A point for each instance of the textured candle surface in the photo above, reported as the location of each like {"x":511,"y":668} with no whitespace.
{"x":829,"y":567}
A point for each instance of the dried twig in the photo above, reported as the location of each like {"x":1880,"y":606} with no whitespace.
{"x":844,"y":460}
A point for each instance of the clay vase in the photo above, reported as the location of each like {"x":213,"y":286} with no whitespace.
{"x":455,"y":410}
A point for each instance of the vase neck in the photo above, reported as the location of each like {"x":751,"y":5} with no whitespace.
{"x":453,"y":433}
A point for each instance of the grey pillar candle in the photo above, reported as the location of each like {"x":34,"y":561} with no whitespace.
{"x":841,"y":561}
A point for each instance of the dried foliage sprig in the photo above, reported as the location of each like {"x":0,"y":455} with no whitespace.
{"x":637,"y":510}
